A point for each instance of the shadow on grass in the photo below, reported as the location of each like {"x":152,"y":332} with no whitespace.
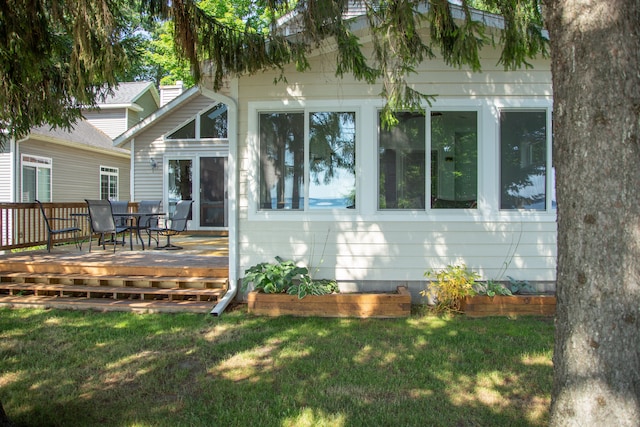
{"x":60,"y":368}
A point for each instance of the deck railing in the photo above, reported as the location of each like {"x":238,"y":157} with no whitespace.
{"x":22,"y":224}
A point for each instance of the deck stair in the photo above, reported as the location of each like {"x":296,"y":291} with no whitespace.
{"x":147,"y":282}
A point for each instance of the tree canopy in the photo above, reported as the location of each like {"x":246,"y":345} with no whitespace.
{"x":58,"y":56}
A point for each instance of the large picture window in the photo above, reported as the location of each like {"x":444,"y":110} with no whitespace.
{"x":453,"y":183}
{"x":327,"y":140}
{"x":36,"y":178}
{"x":523,"y":159}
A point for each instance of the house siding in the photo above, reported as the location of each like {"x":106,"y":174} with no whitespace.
{"x":371,"y":247}
{"x":6,"y":179}
{"x":76,"y":172}
{"x":112,"y":122}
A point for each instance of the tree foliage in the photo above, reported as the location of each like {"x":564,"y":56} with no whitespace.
{"x":57,"y":56}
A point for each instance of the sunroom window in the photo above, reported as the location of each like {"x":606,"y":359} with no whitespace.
{"x":210,"y":124}
{"x":523,"y":160}
{"x":453,"y":183}
{"x":327,"y":140}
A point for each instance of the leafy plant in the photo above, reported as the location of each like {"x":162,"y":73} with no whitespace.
{"x":273,"y":278}
{"x":452,"y":284}
{"x":491,"y":288}
{"x":286,"y":276}
{"x":520,"y":286}
{"x":306,"y":286}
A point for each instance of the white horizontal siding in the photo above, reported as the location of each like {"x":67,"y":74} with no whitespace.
{"x":398,"y":251}
{"x":370,"y":246}
{"x":112,"y":122}
{"x":6,"y":180}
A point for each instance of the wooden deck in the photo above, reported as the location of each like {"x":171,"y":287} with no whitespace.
{"x":192,"y":279}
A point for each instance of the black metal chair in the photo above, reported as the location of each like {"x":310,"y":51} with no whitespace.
{"x":174,"y":226}
{"x":54,"y":231}
{"x":146,"y":222}
{"x":102,"y":223}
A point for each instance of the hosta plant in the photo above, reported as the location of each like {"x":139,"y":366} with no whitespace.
{"x":286,"y":276}
{"x":449,"y":286}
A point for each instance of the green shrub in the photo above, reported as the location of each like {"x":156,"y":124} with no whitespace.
{"x":286,"y":276}
{"x":451,"y":285}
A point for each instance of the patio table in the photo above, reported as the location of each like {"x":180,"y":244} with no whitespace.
{"x":134,"y":219}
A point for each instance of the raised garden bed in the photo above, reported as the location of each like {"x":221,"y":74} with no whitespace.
{"x":378,"y":305}
{"x":514,"y":305}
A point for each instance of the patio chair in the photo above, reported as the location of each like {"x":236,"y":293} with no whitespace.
{"x":174,"y":226}
{"x":70,"y":227}
{"x":102,"y":223}
{"x":145,"y":222}
{"x":120,"y":207}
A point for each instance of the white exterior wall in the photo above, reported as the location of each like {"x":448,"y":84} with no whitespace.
{"x":368,"y":246}
{"x":6,"y":176}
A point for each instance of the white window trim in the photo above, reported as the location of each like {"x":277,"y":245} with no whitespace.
{"x":41,"y":162}
{"x":253,"y":196}
{"x":488,"y":209}
{"x":109,"y":171}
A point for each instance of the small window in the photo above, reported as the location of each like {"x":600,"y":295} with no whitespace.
{"x":108,"y":183}
{"x":210,"y":124}
{"x":213,"y":123}
{"x":36,"y":178}
{"x":187,"y":131}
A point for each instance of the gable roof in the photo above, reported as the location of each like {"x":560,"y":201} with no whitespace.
{"x":165,"y":109}
{"x":127,"y":93}
{"x":82,"y":135}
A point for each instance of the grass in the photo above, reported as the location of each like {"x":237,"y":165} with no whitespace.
{"x":81,"y":368}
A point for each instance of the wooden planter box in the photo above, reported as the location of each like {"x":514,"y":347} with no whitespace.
{"x":516,"y":305}
{"x":380,"y":305}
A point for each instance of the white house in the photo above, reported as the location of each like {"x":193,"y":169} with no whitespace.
{"x":308,"y":173}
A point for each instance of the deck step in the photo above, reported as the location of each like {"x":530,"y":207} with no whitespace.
{"x":106,"y":304}
{"x":113,"y":292}
{"x":141,"y":281}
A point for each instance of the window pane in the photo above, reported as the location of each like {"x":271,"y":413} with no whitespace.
{"x":187,"y":131}
{"x":28,"y":184}
{"x":113,"y":188}
{"x":281,"y":161}
{"x":523,"y":141}
{"x":44,"y":184}
{"x":332,"y":160}
{"x":454,"y":159}
{"x":401,"y":163}
{"x":180,"y":182}
{"x":104,"y":187}
{"x":213,"y":123}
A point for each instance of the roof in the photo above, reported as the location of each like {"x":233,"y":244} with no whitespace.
{"x":83,"y":135}
{"x":127,"y":93}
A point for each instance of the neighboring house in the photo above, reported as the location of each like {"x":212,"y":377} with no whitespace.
{"x":311,"y":176}
{"x":59,"y":165}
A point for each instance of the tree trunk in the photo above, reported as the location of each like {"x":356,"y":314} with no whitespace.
{"x":4,"y":420}
{"x":595,"y":47}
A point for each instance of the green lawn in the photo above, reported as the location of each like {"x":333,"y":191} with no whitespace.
{"x":67,"y":368}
